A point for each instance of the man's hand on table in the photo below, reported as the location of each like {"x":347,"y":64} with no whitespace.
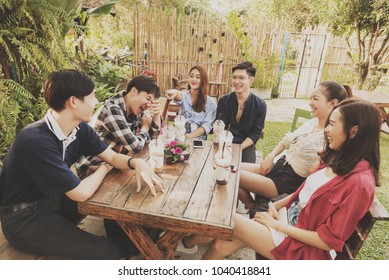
{"x":144,"y":171}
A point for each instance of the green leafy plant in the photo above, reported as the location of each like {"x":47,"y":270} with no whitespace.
{"x":15,"y":106}
{"x":265,"y":65}
{"x":31,"y":46}
{"x":266,"y":76}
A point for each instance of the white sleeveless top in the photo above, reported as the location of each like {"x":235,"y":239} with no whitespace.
{"x":312,"y":184}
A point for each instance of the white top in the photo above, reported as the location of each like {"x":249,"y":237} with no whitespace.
{"x":302,"y":147}
{"x":312,"y":184}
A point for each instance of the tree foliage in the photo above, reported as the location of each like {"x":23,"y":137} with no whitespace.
{"x":31,"y":41}
{"x":31,"y":46}
{"x":368,"y":20}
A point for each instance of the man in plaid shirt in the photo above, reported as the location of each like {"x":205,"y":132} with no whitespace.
{"x":127,"y":121}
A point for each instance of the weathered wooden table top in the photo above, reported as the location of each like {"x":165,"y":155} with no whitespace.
{"x":192,"y":203}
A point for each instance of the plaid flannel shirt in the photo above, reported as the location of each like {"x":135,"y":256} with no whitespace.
{"x":119,"y":131}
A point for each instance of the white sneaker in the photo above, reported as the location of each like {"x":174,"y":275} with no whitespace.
{"x":183,"y":249}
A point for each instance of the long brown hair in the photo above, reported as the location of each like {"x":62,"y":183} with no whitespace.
{"x":203,"y":90}
{"x":365,"y":145}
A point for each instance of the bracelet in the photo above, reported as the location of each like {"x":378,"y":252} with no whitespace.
{"x":129,"y":164}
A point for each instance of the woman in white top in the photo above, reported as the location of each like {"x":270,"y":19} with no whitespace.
{"x":301,"y":150}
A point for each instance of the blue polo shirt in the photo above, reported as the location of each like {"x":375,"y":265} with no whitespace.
{"x":38,"y":162}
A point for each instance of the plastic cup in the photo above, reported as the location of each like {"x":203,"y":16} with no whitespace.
{"x":226,"y":137}
{"x":156,"y":151}
{"x":218,"y":128}
{"x":168,"y":134}
{"x":179,"y":122}
{"x":222,"y":163}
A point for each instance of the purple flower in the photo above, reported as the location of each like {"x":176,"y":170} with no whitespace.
{"x":178,"y":150}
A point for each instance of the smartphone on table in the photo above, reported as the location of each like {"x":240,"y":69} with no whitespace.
{"x":198,"y":143}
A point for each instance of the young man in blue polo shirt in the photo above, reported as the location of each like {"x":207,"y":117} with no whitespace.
{"x":36,"y":176}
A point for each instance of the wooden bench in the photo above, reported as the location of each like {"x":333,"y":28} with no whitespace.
{"x":355,"y":242}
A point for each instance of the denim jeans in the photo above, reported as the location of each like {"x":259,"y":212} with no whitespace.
{"x":43,"y":229}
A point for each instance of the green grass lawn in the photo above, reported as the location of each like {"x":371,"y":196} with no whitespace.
{"x":377,"y":245}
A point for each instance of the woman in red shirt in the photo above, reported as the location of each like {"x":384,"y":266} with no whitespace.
{"x":315,"y":221}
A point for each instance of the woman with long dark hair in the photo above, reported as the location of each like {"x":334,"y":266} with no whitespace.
{"x":197,"y":107}
{"x":316,"y":220}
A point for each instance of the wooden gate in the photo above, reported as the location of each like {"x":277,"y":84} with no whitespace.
{"x":302,"y":63}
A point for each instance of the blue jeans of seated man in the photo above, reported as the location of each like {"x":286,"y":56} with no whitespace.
{"x":43,"y":229}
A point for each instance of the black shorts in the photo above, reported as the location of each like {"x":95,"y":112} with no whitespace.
{"x":284,"y":177}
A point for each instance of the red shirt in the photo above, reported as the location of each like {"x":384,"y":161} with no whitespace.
{"x":333,"y":211}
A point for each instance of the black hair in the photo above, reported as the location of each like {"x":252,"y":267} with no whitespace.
{"x":61,"y":85}
{"x":334,"y":90}
{"x":246,"y":65}
{"x":144,"y":83}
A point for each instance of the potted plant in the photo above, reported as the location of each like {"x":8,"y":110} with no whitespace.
{"x":176,"y":152}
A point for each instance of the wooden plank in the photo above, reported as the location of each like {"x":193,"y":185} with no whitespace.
{"x":146,"y":246}
{"x":178,"y":199}
{"x":155,"y":204}
{"x":201,"y":198}
{"x":224,"y":200}
{"x":112,"y":185}
{"x":157,"y":221}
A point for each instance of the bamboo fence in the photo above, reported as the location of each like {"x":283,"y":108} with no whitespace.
{"x":174,"y":43}
{"x":170,"y":44}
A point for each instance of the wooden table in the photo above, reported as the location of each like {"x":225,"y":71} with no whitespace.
{"x":381,"y":100}
{"x":192,"y":204}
